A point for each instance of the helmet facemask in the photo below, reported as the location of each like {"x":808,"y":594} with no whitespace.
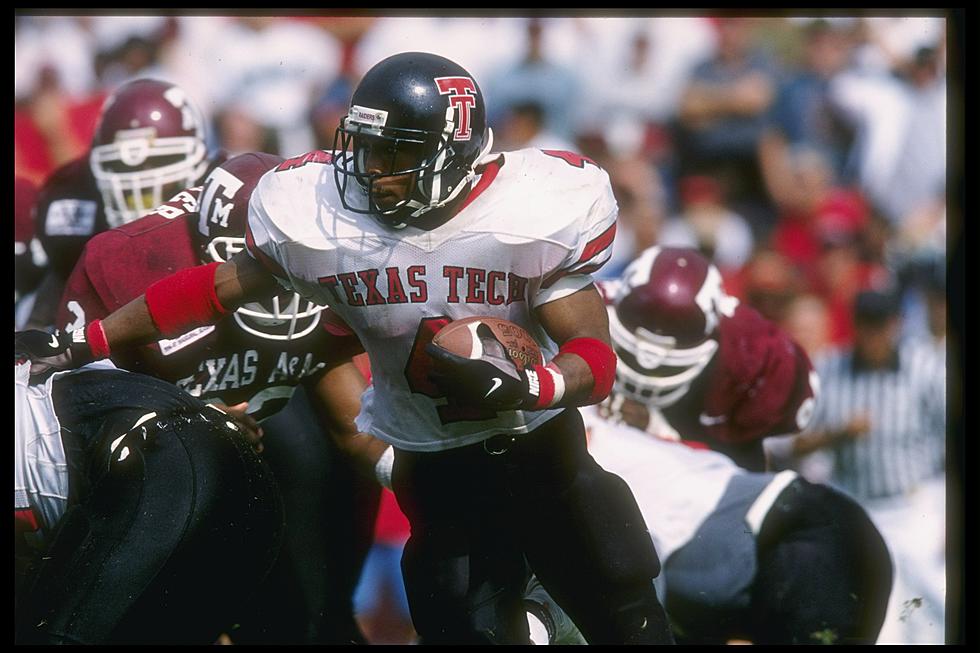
{"x":287,"y":316}
{"x":138,"y":172}
{"x":652,"y":369}
{"x":439,"y":172}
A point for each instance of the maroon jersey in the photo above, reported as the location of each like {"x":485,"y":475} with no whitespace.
{"x":222,"y":362}
{"x":758,"y":384}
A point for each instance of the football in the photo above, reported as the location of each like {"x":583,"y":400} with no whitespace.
{"x":460,"y":338}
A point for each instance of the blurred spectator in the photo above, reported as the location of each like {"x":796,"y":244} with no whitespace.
{"x":901,"y":120}
{"x":51,"y":126}
{"x":707,"y":224}
{"x":881,"y":421}
{"x":480,"y":44}
{"x":634,"y":74}
{"x":767,"y":283}
{"x":819,"y":210}
{"x":537,"y":78}
{"x":842,"y":271}
{"x":266,"y":73}
{"x":807,"y":321}
{"x":639,"y":191}
{"x":332,"y":105}
{"x":803,"y":114}
{"x":524,"y":125}
{"x":129,"y":46}
{"x":890,"y":42}
{"x":722,"y":115}
{"x":65,"y":44}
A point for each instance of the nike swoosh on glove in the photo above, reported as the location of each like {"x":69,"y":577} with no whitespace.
{"x":51,"y":351}
{"x":491,"y":381}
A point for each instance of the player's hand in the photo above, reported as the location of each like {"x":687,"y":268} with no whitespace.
{"x":47,"y":351}
{"x":857,"y":427}
{"x":247,"y":424}
{"x":491,"y":381}
{"x":635,"y":414}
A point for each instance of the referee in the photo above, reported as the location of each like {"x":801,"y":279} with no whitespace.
{"x":881,"y":419}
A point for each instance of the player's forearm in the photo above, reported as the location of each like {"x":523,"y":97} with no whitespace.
{"x":130,"y":326}
{"x":368,"y":455}
{"x":580,"y":383}
{"x":585,"y":360}
{"x":807,"y":443}
{"x":187,"y":299}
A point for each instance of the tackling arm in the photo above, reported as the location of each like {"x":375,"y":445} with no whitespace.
{"x":239,"y":280}
{"x":337,"y":401}
{"x":170,"y":307}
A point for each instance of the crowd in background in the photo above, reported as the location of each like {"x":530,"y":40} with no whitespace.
{"x":805,"y":156}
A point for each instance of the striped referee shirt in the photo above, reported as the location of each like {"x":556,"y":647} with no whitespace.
{"x":906,"y":405}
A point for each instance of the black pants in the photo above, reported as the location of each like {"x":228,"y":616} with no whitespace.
{"x":481,"y":514}
{"x":330,"y":512}
{"x":170,"y":531}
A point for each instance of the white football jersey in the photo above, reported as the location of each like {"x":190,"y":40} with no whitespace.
{"x":533,"y":229}
{"x":676,"y":486}
{"x":40,"y":464}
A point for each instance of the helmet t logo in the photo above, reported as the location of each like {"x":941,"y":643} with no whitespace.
{"x":462,"y":96}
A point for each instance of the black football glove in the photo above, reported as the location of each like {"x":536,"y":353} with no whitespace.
{"x":51,"y":351}
{"x":491,"y":381}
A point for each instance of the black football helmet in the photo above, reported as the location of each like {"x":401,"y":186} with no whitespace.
{"x":423,"y":114}
{"x":664,"y":320}
{"x":149,"y":144}
{"x":222,"y":225}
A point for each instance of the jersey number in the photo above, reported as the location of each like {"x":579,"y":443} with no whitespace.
{"x":420,"y":365}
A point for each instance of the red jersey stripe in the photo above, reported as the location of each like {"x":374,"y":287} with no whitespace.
{"x":489,"y":174}
{"x":599,"y":243}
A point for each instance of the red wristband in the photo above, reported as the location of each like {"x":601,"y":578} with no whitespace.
{"x":97,"y":342}
{"x":601,"y":360}
{"x":546,"y":386}
{"x":184,"y":300}
{"x":548,"y":378}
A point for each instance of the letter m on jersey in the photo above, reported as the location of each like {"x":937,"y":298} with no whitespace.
{"x":462,"y":98}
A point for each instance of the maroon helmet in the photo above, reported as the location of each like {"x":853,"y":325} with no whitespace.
{"x":149,"y":144}
{"x":664,"y":320}
{"x":223,"y":216}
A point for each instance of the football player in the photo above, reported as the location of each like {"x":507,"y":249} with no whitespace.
{"x":695,"y":364}
{"x":140,"y":514}
{"x":749,"y":556}
{"x":149,"y":144}
{"x":30,"y":261}
{"x":249,"y":365}
{"x":408,"y":224}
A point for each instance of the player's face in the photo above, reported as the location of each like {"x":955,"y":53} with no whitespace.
{"x":381,"y":159}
